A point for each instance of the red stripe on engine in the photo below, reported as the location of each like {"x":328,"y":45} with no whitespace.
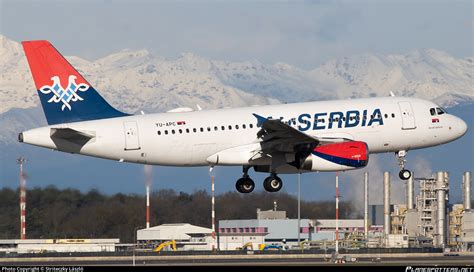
{"x":348,"y":150}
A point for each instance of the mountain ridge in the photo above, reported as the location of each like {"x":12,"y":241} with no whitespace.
{"x":135,"y":81}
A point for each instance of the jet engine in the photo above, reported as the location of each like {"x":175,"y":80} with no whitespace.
{"x":337,"y":157}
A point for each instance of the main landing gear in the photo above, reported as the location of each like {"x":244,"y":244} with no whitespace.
{"x":272,"y":183}
{"x":404,"y":174}
{"x":246,"y":185}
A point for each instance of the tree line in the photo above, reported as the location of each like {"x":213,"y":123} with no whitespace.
{"x":70,"y":213}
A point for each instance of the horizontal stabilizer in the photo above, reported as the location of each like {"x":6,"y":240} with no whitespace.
{"x":71,"y":135}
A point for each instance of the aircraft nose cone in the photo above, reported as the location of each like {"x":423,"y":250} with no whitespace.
{"x":462,"y":127}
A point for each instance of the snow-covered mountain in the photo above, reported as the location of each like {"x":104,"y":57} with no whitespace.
{"x":131,"y":81}
{"x":137,"y":80}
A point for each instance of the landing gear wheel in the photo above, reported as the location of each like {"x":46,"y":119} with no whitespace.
{"x":404,"y":174}
{"x":272,"y":184}
{"x":245,"y":185}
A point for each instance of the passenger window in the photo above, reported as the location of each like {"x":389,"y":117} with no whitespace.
{"x":159,"y":132}
{"x":251,"y":125}
{"x":180,"y":131}
{"x":386,"y":115}
{"x":166,"y":132}
{"x":201,"y":129}
{"x":223,"y":127}
{"x":172,"y":131}
{"x":236,"y":126}
{"x":194,"y":129}
{"x":230,"y":127}
{"x":432,"y":112}
{"x":187,"y":130}
{"x":243,"y":126}
{"x":208,"y":128}
{"x":215,"y":128}
{"x":393,"y":115}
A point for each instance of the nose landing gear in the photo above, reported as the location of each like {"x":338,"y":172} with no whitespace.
{"x":404,"y":174}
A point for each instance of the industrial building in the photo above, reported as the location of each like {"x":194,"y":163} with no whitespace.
{"x":282,"y":231}
{"x":428,"y":220}
{"x":186,"y":236}
{"x":58,"y":245}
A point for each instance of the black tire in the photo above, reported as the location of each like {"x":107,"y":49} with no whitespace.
{"x":272,"y":184}
{"x":245,"y":185}
{"x":404,"y":174}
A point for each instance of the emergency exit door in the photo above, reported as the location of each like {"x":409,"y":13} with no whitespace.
{"x":408,"y":117}
{"x":131,"y":136}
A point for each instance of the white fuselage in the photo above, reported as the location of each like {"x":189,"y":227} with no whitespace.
{"x":191,"y":138}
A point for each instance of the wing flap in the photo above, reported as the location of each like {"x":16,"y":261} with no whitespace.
{"x":280,"y":140}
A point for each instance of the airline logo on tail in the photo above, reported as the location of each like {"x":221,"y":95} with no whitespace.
{"x":64,"y":95}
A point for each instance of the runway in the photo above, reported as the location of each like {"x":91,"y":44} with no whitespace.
{"x":421,"y":259}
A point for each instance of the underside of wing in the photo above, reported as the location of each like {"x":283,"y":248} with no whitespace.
{"x":285,"y":144}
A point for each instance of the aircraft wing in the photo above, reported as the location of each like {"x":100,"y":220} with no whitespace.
{"x":278,"y":140}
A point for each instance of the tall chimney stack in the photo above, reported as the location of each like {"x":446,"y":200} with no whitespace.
{"x":366,"y":204}
{"x":148,"y":206}
{"x":410,"y":193}
{"x":467,"y":190}
{"x":148,"y":180}
{"x":20,"y":161}
{"x":441,"y":187}
{"x":386,"y":203}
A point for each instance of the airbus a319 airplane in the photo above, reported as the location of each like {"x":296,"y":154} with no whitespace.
{"x":288,"y":138}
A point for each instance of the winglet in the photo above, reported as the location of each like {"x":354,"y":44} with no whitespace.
{"x":260,"y":119}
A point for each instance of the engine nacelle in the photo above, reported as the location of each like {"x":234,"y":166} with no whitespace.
{"x":337,"y":157}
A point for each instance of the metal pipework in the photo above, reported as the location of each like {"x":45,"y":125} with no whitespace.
{"x":467,"y":190}
{"x":441,"y":198}
{"x":410,"y":193}
{"x":366,"y":204}
{"x":386,"y":203}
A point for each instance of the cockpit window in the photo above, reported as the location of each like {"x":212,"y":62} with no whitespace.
{"x":440,"y":111}
{"x":433,"y":111}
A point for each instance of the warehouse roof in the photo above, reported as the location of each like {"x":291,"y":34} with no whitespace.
{"x":180,"y":231}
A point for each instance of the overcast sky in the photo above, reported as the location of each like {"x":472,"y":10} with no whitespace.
{"x":302,"y":33}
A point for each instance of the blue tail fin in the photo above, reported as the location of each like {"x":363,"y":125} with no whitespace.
{"x":65,"y":95}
